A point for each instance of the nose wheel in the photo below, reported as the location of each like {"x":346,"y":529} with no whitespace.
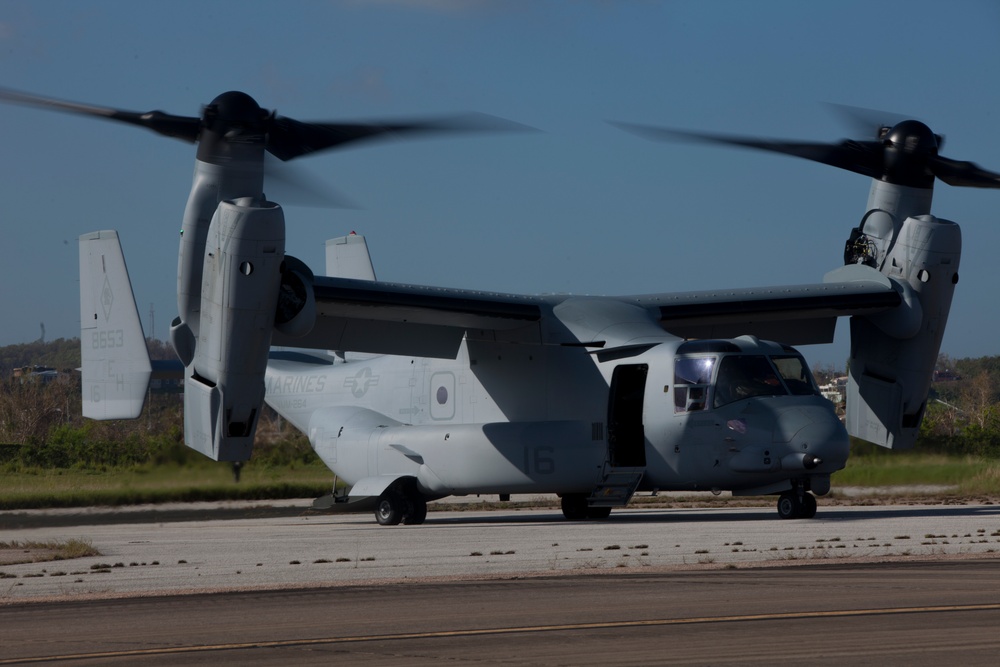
{"x":796,"y":505}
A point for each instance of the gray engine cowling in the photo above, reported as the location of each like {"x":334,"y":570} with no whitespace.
{"x":224,"y":380}
{"x":893,"y":353}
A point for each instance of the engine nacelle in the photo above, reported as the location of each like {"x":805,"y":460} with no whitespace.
{"x":224,"y":381}
{"x":296,"y":313}
{"x":893,"y":353}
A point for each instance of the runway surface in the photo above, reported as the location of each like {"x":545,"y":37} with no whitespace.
{"x":857,"y":585}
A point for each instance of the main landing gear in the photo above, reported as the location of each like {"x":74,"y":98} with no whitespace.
{"x":401,"y":503}
{"x":796,"y":504}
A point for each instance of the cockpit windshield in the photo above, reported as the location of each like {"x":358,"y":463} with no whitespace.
{"x":795,"y":374}
{"x":736,"y":377}
{"x":745,"y":377}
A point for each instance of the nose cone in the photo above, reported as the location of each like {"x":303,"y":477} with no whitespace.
{"x":816,"y":433}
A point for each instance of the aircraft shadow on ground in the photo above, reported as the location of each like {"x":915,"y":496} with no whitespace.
{"x":553,"y":517}
{"x":674,"y":515}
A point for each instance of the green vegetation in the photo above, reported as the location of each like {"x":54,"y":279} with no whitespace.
{"x":39,"y":487}
{"x":970,"y":474}
{"x":12,"y":553}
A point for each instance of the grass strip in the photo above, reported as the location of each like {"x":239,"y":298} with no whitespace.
{"x":31,"y":551}
{"x":912,"y":469}
{"x":36,"y":489}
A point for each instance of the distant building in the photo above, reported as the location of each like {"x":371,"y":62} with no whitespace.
{"x":835,"y":391}
{"x":42,"y":374}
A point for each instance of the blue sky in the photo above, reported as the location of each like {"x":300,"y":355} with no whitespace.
{"x":579,"y":207}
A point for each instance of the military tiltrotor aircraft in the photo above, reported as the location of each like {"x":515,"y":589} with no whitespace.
{"x":412,"y":393}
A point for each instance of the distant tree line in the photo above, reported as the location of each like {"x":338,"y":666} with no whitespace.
{"x":963,"y":411}
{"x":62,"y":354}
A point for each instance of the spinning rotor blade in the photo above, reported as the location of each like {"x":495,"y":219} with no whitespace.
{"x":295,"y":186}
{"x":179,"y":127}
{"x":234,"y":120}
{"x":904,"y":154}
{"x":858,"y":157}
{"x":964,"y":174}
{"x":867,"y":122}
{"x":288,"y":138}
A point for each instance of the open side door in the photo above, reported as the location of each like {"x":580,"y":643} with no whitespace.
{"x":626,"y":435}
{"x":626,"y":438}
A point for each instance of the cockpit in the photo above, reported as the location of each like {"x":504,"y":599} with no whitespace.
{"x":711,"y":374}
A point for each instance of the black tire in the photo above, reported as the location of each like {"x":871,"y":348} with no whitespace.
{"x":390,"y":508}
{"x":574,"y":506}
{"x":808,"y":506}
{"x":417,"y":512}
{"x":598,"y":512}
{"x":789,"y":505}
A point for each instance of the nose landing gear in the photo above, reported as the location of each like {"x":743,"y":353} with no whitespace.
{"x":796,"y":504}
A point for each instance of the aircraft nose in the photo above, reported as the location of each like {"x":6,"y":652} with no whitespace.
{"x":815,"y":438}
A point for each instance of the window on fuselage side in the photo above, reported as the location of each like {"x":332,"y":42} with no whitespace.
{"x":692,"y":380}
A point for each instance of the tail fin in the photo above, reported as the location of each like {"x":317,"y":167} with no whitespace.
{"x":116,"y":367}
{"x":348,"y":257}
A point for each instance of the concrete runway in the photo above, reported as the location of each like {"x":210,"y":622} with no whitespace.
{"x":860,"y":585}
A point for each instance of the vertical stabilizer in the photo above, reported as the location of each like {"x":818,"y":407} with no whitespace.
{"x":347,"y":257}
{"x":115,"y":362}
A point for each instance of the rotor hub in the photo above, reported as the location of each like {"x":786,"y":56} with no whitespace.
{"x":909,"y":148}
{"x":234,"y":106}
{"x":236,"y":115}
{"x":912,"y":136}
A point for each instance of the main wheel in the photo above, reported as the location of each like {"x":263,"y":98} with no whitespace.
{"x":598,"y":512}
{"x":789,"y":505}
{"x":808,"y":506}
{"x":417,"y":511}
{"x":574,"y":506}
{"x":390,"y":508}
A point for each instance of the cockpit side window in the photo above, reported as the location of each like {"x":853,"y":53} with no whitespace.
{"x":744,"y":377}
{"x":796,"y":375}
{"x":692,"y":379}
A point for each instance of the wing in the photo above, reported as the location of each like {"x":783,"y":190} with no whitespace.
{"x":392,"y":318}
{"x":797,"y":315}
